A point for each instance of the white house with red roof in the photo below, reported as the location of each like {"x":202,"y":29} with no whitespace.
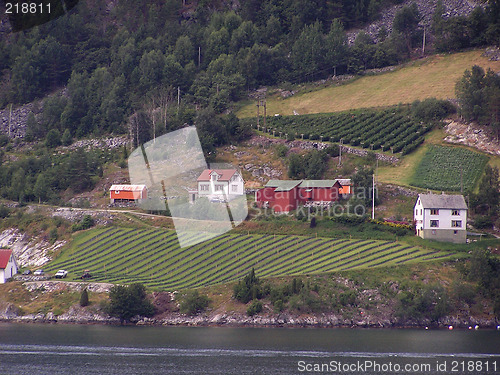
{"x":220,"y":183}
{"x":8,"y":265}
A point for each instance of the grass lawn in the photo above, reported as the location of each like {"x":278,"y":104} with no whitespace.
{"x":434,"y":76}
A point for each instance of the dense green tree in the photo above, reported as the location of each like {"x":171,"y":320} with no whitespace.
{"x":41,"y":189}
{"x":406,"y":21}
{"x":479,"y":96}
{"x":84,"y":298}
{"x":362,"y":53}
{"x":184,"y":50}
{"x":487,"y":200}
{"x":308,"y":51}
{"x":127,"y":302}
{"x":336,"y":46}
{"x":53,"y":138}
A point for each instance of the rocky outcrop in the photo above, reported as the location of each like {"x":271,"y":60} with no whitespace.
{"x":29,"y":251}
{"x":426,"y":9}
{"x":471,"y":135}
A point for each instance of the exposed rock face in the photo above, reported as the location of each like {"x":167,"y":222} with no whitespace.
{"x":51,"y":286}
{"x":471,"y":135}
{"x":426,"y":9}
{"x":17,"y":119}
{"x":29,"y":251}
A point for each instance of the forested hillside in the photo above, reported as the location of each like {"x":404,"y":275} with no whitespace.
{"x":123,"y":61}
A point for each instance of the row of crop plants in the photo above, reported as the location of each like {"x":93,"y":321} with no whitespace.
{"x":449,"y":168}
{"x":392,"y":129}
{"x":154,"y":257}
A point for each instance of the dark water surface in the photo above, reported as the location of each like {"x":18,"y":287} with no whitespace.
{"x":102,"y":350}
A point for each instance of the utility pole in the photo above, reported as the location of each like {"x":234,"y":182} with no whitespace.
{"x":461,"y":180}
{"x":373,"y":197}
{"x":340,"y":152}
{"x":265,"y":112}
{"x":178,"y":98}
{"x":258,"y":114}
{"x":199,"y":56}
{"x":423,"y":44}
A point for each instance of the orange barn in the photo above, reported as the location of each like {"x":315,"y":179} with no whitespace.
{"x":127,"y":192}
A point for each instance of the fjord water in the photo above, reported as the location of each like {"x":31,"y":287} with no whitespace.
{"x":102,"y":350}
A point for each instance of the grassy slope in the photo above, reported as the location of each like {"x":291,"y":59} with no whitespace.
{"x":153,"y":257}
{"x":434,"y":76}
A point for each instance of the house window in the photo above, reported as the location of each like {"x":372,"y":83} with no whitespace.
{"x":234,"y":188}
{"x":117,"y":191}
{"x":420,"y":211}
{"x":219,"y":187}
{"x":204,"y":187}
{"x":456,"y":223}
{"x":455,"y":212}
{"x":455,"y":232}
{"x":433,"y":231}
{"x":434,"y":223}
{"x":434,"y":211}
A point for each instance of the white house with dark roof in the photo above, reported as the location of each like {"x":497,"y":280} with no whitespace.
{"x":441,"y":217}
{"x":8,"y":265}
{"x":220,"y":183}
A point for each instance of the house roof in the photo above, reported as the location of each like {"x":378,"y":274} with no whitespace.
{"x":225,"y":174}
{"x":443,"y":201}
{"x":344,"y":181}
{"x":317,"y":183}
{"x":4,"y":257}
{"x":283,"y":185}
{"x":128,"y":187}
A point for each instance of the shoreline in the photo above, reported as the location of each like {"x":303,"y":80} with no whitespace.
{"x":236,"y":320}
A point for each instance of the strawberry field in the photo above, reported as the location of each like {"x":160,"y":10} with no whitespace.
{"x":446,"y":168}
{"x":153,"y":257}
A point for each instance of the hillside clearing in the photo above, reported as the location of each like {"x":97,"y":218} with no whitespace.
{"x":153,"y":257}
{"x":434,"y":76}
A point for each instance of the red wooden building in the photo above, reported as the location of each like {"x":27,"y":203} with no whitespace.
{"x":127,"y":192}
{"x":286,"y":195}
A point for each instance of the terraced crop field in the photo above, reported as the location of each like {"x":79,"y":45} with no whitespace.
{"x":154,"y":258}
{"x":442,"y":168}
{"x":391,"y":129}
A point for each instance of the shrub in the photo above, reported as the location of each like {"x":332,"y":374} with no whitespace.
{"x":4,"y":211}
{"x":248,"y":288}
{"x":281,"y":151}
{"x":193,"y":303}
{"x":254,"y":308}
{"x":84,"y":298}
{"x":432,"y":109}
{"x":312,"y":224}
{"x":127,"y":302}
{"x":482,"y":222}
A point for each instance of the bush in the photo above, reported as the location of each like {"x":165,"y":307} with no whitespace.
{"x":312,"y":224}
{"x":281,"y":151}
{"x":482,"y":222}
{"x":127,"y":302}
{"x":332,"y":150}
{"x":86,"y":223}
{"x":193,"y":303}
{"x":4,"y":211}
{"x":254,"y":308}
{"x":248,"y":288}
{"x":53,"y":138}
{"x":84,"y":298}
{"x":432,"y":109}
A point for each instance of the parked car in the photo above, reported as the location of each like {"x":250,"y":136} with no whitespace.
{"x":26,"y":272}
{"x":38,"y":272}
{"x":61,"y":274}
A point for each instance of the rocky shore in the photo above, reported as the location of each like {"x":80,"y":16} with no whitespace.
{"x":92,"y":315}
